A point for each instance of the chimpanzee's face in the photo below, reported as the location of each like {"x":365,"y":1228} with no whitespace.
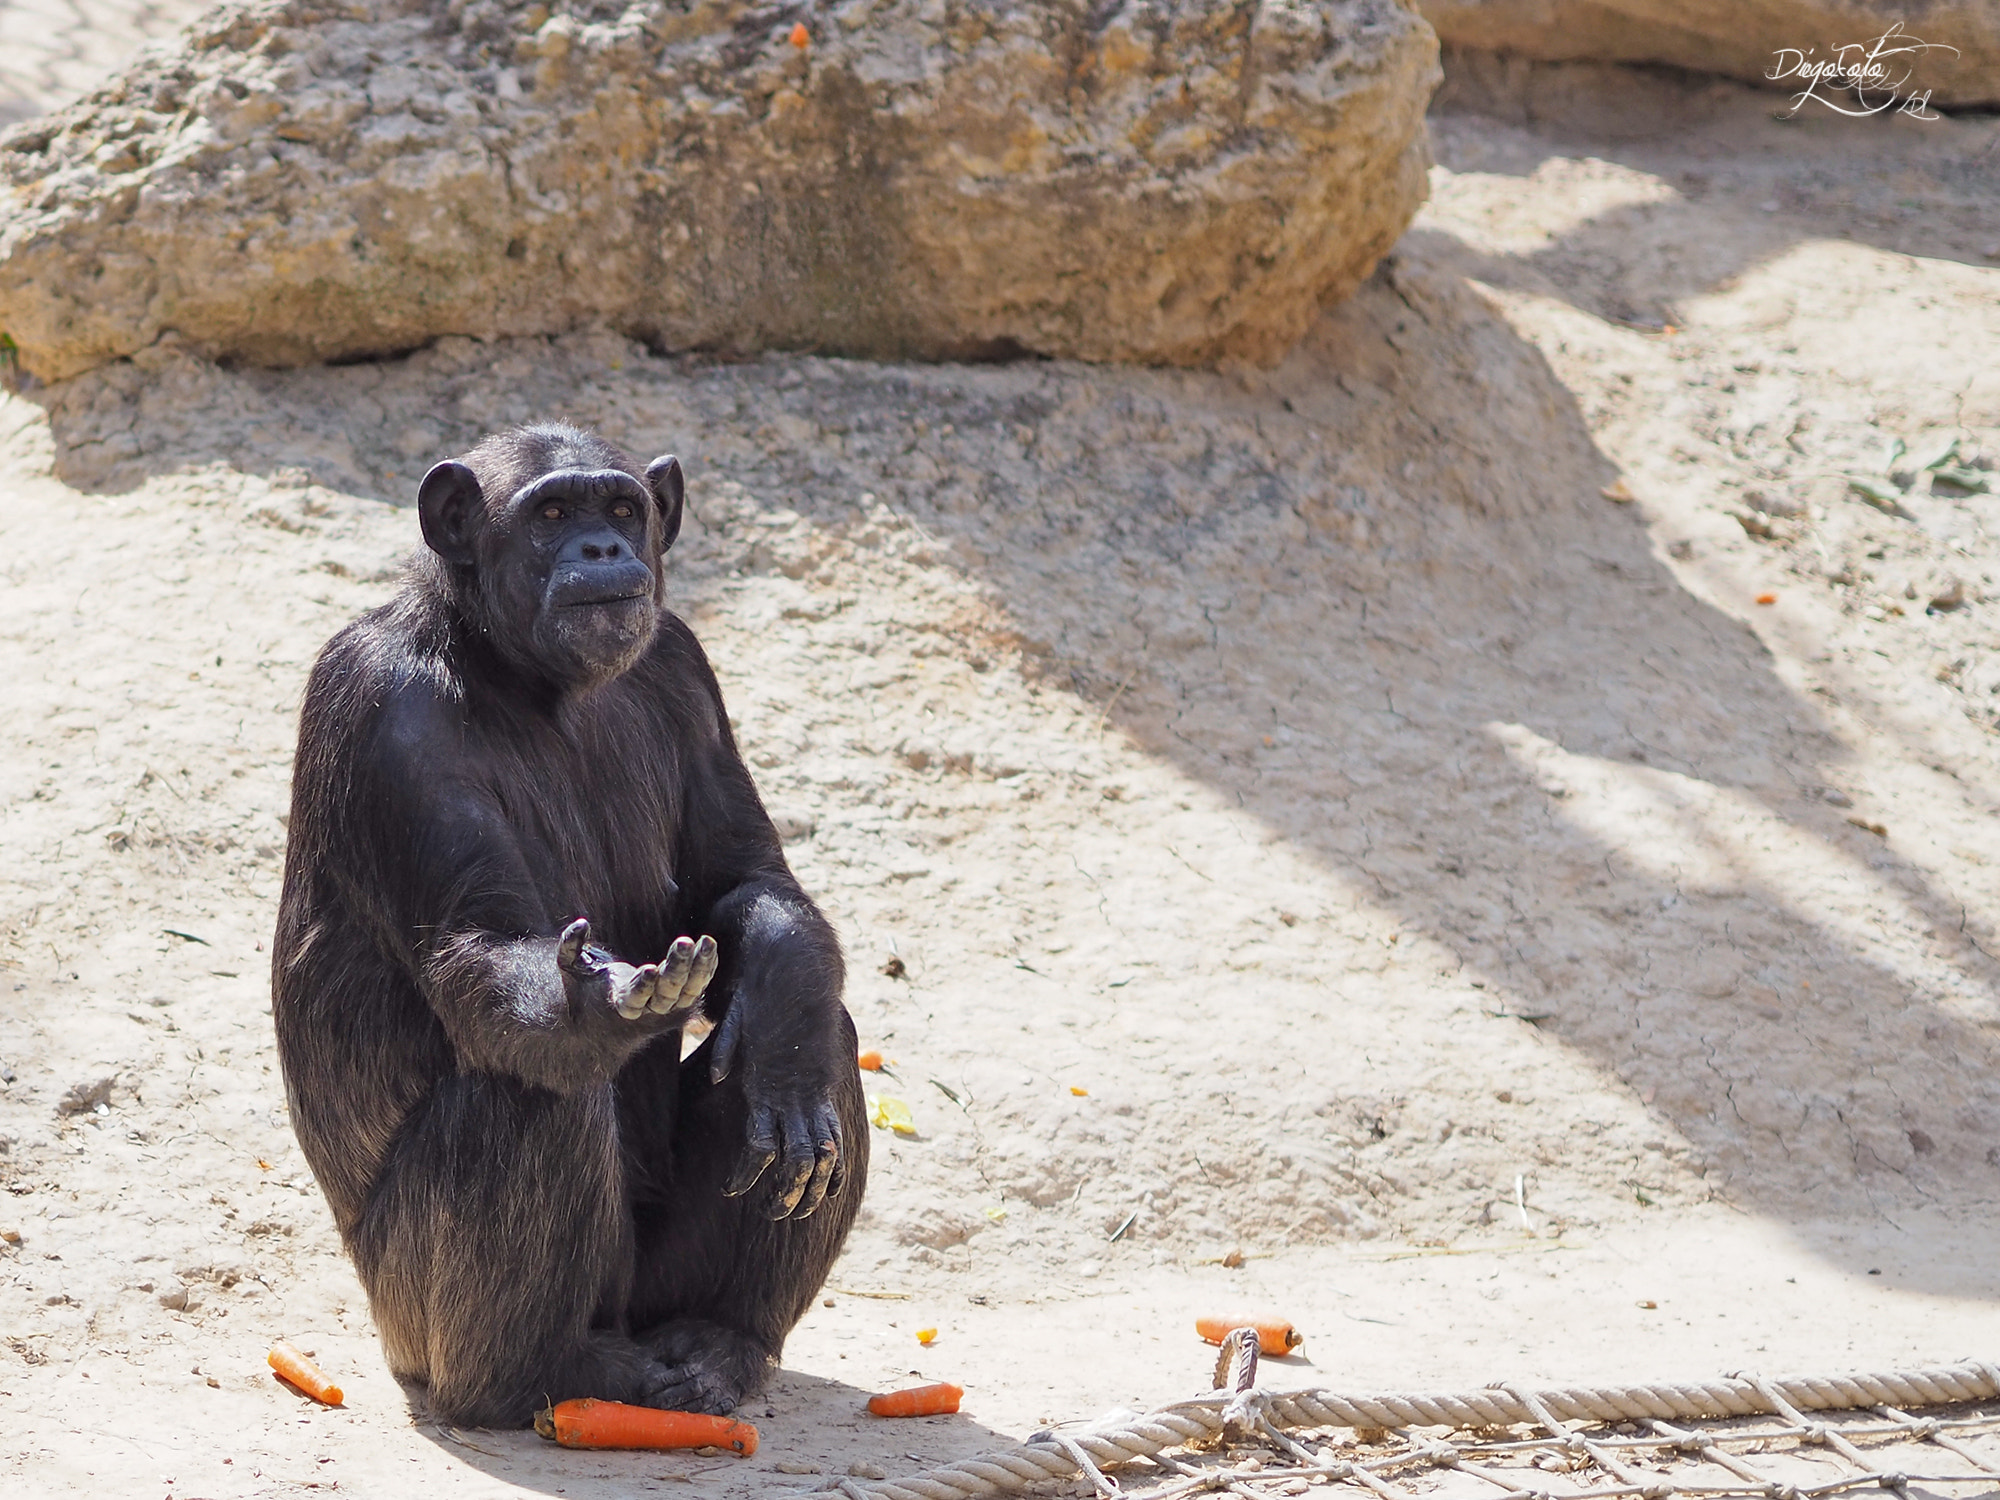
{"x":564,"y":574}
{"x":581,"y":548}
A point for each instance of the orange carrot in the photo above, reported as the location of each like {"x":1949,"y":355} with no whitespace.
{"x":295,"y":1369}
{"x":869,"y":1061}
{"x":1274,"y":1335}
{"x":590,"y":1423}
{"x":1767,"y":598}
{"x":801,"y":38}
{"x":918,"y":1401}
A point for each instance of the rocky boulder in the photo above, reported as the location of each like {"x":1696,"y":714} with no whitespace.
{"x":1744,"y":38}
{"x":1167,"y":181}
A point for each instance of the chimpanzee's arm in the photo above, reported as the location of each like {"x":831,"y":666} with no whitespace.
{"x":776,"y":998}
{"x":521,"y":990}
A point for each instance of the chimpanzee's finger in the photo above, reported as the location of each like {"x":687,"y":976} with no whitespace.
{"x":670,"y":994}
{"x":702,"y":969}
{"x":639,"y":992}
{"x":826,"y":1156}
{"x":569,"y":947}
{"x":759,"y":1151}
{"x":795,"y":1167}
{"x":722,"y":1047}
{"x":680,"y":954}
{"x":686,"y":1390}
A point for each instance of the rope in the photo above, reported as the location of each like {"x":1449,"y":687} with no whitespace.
{"x":1049,"y":1456}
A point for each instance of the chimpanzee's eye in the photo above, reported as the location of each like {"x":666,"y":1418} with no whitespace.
{"x":552,"y":513}
{"x":621,"y":511}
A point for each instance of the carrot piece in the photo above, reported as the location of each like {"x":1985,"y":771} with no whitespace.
{"x":869,"y":1061}
{"x":590,"y":1423}
{"x":1274,"y":1335}
{"x":296,"y":1370}
{"x":918,"y":1401}
{"x":801,"y":38}
{"x":1767,"y":598}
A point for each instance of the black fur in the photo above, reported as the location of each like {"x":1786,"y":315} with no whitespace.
{"x":542,"y":1198}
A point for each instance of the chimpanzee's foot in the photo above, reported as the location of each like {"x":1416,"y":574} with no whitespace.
{"x":708,"y":1368}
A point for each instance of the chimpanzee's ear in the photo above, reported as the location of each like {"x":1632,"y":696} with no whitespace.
{"x":451,"y":507}
{"x":669,"y":487}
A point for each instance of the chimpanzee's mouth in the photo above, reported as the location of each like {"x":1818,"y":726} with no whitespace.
{"x":600,"y":585}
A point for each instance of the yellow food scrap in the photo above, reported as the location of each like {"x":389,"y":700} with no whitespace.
{"x":926,"y":1336}
{"x":885,"y":1113}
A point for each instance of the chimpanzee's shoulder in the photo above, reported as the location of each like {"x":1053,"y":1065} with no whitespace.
{"x":389,"y":671}
{"x":405,"y":639}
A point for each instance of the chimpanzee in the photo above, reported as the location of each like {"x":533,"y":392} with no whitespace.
{"x":525,"y":857}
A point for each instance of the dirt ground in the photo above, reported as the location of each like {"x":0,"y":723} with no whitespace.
{"x":1309,"y":818}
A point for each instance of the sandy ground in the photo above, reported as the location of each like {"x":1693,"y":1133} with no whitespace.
{"x":1309,"y":819}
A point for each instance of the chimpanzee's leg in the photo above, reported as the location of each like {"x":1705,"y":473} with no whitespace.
{"x":717,"y":1284}
{"x":497,"y":1252}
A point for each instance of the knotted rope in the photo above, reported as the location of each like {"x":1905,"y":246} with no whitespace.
{"x":1052,"y":1456}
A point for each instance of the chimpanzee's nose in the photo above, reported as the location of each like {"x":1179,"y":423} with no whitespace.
{"x":594,"y":544}
{"x":595,"y":565}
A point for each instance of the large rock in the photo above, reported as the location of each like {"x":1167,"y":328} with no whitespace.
{"x":304,"y":180}
{"x":1742,"y":38}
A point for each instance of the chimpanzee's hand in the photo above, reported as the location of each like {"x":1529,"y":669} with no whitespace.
{"x":593,"y":977}
{"x":670,"y":987}
{"x":794,"y":1129}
